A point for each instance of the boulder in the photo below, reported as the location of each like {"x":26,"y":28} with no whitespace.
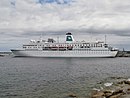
{"x":118,"y":92}
{"x":98,"y":95}
{"x":72,"y":95}
{"x":127,"y":82}
{"x":116,"y":96}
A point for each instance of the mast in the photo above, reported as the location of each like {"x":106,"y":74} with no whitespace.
{"x":105,"y":39}
{"x":58,"y":39}
{"x":40,"y":37}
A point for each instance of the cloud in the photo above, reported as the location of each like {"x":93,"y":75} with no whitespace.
{"x":54,"y":1}
{"x":20,"y":18}
{"x":28,"y":14}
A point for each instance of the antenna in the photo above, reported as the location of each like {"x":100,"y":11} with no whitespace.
{"x":40,"y":37}
{"x":105,"y":39}
{"x":91,"y":37}
{"x":58,"y":39}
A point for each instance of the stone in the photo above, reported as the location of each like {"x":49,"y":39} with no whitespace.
{"x":121,"y":82}
{"x":116,"y":96}
{"x":119,"y":89}
{"x":125,"y":96}
{"x":118,"y":92}
{"x":72,"y":95}
{"x":128,"y":91}
{"x":127,"y":82}
{"x":108,"y":93}
{"x":98,"y":95}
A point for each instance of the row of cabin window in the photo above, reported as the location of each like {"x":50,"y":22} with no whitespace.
{"x":91,"y":50}
{"x":77,"y":50}
{"x":89,"y":45}
{"x":31,"y":47}
{"x":28,"y":45}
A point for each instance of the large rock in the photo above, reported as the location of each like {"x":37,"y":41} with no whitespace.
{"x":72,"y":95}
{"x":116,"y":96}
{"x":119,"y":89}
{"x":108,"y":93}
{"x":127,"y":82}
{"x":98,"y":95}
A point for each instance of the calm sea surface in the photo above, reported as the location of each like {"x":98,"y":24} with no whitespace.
{"x":57,"y":77}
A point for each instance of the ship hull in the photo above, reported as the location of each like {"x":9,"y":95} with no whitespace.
{"x":38,"y":53}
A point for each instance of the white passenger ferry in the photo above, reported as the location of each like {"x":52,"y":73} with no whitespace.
{"x":70,"y":48}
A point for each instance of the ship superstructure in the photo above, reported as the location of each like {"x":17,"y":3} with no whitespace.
{"x":70,"y":48}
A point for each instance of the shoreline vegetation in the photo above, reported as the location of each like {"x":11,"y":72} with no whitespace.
{"x":120,"y":54}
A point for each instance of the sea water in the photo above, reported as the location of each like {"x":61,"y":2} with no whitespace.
{"x":26,"y":77}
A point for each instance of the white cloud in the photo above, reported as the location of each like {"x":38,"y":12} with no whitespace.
{"x":21,"y":16}
{"x":27,"y":14}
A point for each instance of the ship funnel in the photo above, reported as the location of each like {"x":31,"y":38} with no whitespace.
{"x":69,"y":37}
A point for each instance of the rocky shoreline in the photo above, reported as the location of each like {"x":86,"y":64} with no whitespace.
{"x":118,"y":89}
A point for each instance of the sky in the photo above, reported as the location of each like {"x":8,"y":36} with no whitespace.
{"x":22,"y":20}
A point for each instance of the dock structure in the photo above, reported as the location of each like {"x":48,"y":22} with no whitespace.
{"x":5,"y":53}
{"x":123,"y":54}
